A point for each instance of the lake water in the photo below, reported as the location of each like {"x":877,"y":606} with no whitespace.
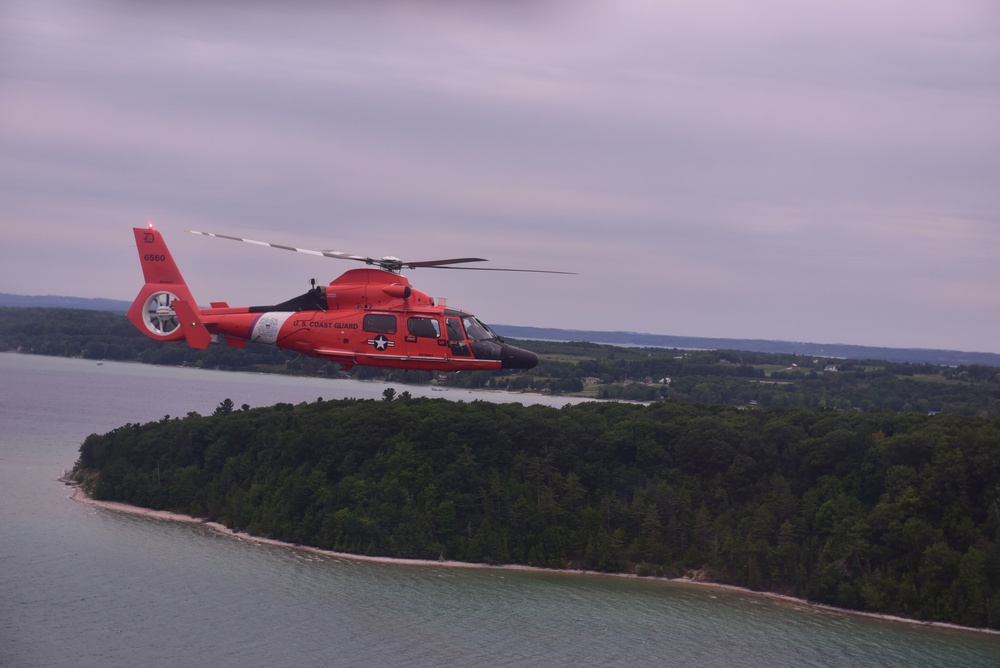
{"x":82,"y":586}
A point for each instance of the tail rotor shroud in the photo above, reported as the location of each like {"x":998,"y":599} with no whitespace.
{"x":159,"y":315}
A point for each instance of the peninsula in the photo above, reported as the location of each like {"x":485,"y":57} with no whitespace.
{"x":878,"y":512}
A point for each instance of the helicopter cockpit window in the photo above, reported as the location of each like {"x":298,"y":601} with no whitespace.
{"x":455,"y":330}
{"x":476,"y":330}
{"x":380,"y":323}
{"x":456,"y":338}
{"x":424,"y":327}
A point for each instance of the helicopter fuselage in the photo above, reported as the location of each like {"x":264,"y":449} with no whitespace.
{"x":366,"y":317}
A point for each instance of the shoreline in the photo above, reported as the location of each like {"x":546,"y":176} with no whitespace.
{"x":79,"y":496}
{"x":570,"y":398}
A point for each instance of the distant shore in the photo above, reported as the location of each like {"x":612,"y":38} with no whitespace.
{"x":80,"y":496}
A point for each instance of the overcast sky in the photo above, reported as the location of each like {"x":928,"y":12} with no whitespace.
{"x":825,"y":172}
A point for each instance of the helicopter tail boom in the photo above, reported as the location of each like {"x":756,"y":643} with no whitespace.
{"x":164,"y":309}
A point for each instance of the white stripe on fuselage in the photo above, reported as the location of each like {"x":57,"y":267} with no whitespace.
{"x":267,"y":326}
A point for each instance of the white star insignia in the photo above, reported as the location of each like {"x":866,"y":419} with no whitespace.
{"x":380,"y":342}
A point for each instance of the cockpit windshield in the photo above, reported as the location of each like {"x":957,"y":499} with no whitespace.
{"x":475,"y":330}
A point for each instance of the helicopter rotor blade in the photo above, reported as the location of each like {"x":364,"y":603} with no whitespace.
{"x":527,"y":271}
{"x":435,"y":263}
{"x":324,"y":253}
{"x":391,"y":264}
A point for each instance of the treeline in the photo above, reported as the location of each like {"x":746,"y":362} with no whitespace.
{"x":741,"y":378}
{"x":936,"y":357}
{"x":885,"y":512}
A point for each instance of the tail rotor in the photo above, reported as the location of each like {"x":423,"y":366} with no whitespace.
{"x":159,"y":315}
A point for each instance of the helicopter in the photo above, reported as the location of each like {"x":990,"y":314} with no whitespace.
{"x":365,"y":317}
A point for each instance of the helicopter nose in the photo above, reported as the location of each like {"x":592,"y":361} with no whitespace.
{"x":512,"y":357}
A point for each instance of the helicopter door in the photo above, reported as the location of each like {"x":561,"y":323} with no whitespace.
{"x":456,"y":339}
{"x":423,"y":337}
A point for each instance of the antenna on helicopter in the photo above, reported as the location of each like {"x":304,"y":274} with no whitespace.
{"x":312,"y":283}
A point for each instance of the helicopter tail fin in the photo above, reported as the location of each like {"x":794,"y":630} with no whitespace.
{"x":164,"y":309}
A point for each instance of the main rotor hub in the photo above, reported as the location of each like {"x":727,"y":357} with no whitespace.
{"x":390,"y":263}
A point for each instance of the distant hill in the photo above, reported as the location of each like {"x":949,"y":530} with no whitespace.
{"x":836,"y":350}
{"x":53,"y":301}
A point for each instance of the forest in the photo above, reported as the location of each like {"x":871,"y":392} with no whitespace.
{"x":734,"y":378}
{"x":879,"y":511}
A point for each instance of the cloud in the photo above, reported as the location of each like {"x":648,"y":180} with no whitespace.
{"x":774,"y":170}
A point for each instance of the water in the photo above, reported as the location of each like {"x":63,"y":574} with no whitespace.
{"x":82,"y":586}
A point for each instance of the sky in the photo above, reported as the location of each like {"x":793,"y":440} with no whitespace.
{"x":824,"y":172}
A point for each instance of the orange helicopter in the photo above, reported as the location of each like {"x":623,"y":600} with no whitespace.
{"x":366,"y":317}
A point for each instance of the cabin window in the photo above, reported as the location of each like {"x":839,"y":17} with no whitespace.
{"x":380,"y":323}
{"x":457,"y":339}
{"x":455,"y":330}
{"x":427,"y":328}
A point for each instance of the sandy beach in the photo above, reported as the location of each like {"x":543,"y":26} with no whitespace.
{"x":80,"y":496}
